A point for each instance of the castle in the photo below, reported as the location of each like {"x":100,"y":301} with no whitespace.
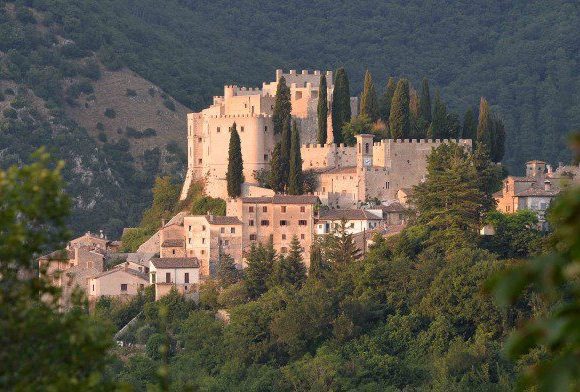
{"x":346,"y":175}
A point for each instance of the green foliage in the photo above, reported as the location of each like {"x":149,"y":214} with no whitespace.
{"x":260,"y":261}
{"x":226,"y":271}
{"x":516,"y":235}
{"x":290,"y":269}
{"x":281,"y":116}
{"x":386,"y":99}
{"x":111,"y":113}
{"x":321,"y":110}
{"x":358,"y":125}
{"x":340,"y":104}
{"x":369,"y":105}
{"x":425,"y":102}
{"x":295,"y":180}
{"x":169,"y":104}
{"x":131,"y":92}
{"x":399,"y":118}
{"x":277,"y":168}
{"x":235,"y":173}
{"x":469,"y":129}
{"x":208,"y":205}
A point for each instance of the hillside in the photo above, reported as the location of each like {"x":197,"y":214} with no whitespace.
{"x":521,"y":55}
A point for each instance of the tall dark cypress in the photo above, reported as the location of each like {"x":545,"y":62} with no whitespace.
{"x":285,"y":145}
{"x":369,"y":105}
{"x":276,"y":170}
{"x":399,"y":118}
{"x":385,"y":101}
{"x":484,"y":125}
{"x":438,"y":129}
{"x":340,"y":104}
{"x":295,"y":181}
{"x":497,"y":139}
{"x":235,"y":173}
{"x":425,"y":102}
{"x":469,"y":128}
{"x":322,"y":110}
{"x":282,"y":107}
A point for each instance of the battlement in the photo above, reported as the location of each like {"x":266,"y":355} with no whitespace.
{"x":304,"y":72}
{"x":327,"y":146}
{"x":422,"y":141}
{"x":261,"y":115}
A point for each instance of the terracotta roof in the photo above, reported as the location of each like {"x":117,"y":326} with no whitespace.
{"x":257,"y":200}
{"x":129,"y":271}
{"x":223,"y":220}
{"x":173,"y":243}
{"x":340,"y":170}
{"x":498,"y":194}
{"x":393,"y":207}
{"x":178,"y":262}
{"x":339,"y":214}
{"x":533,"y":191}
{"x":523,"y":179}
{"x":295,"y":199}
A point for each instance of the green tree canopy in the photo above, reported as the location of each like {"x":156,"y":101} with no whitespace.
{"x":340,"y":104}
{"x":400,"y":118}
{"x":322,"y":110}
{"x":235,"y":173}
{"x":369,"y":105}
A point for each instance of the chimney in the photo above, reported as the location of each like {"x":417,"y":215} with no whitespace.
{"x":549,"y":167}
{"x":547,"y":185}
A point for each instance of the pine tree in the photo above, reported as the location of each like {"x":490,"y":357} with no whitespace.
{"x":322,"y":110}
{"x":226,"y":271}
{"x":340,"y":248}
{"x":318,"y":267}
{"x":282,"y":107}
{"x":469,"y":128}
{"x":291,"y":269}
{"x":439,"y":124}
{"x":257,"y":275}
{"x":385,"y":101}
{"x":340,"y":104}
{"x":369,"y":105}
{"x":399,"y":118}
{"x":484,"y":125}
{"x":235,"y":173}
{"x":295,"y":182}
{"x":276,"y":179}
{"x":425,"y":103}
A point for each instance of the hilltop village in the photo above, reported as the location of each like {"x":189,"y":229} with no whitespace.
{"x":359,"y":189}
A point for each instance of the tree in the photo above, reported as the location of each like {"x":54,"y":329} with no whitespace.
{"x":399,"y":118}
{"x":340,"y":104}
{"x":356,"y":126}
{"x":235,"y":173}
{"x":318,"y":266}
{"x":516,"y":235}
{"x":369,"y":105}
{"x":469,"y":129}
{"x":322,"y":110}
{"x":498,"y":139}
{"x":257,"y":275}
{"x":339,"y":247}
{"x":226,"y":271}
{"x":276,"y":178}
{"x":425,"y":102}
{"x":290,"y":269}
{"x":438,"y":129}
{"x":285,"y":147}
{"x":484,"y":125}
{"x":490,"y":175}
{"x":282,"y":107}
{"x":34,"y":350}
{"x":385,"y":101}
{"x":295,"y":182}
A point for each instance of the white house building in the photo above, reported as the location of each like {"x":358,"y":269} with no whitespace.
{"x":179,"y":273}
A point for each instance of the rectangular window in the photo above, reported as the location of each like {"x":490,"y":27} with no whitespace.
{"x":123,"y":286}
{"x":233,"y":230}
{"x":186,"y":277}
{"x":241,"y":129}
{"x":222,"y":230}
{"x":203,"y":240}
{"x":302,"y":209}
{"x":218,"y":129}
{"x":189,"y":227}
{"x":226,"y":242}
{"x":168,"y":277}
{"x":302,"y":236}
{"x":302,"y":222}
{"x":283,"y":236}
{"x":141,"y":286}
{"x":93,"y":287}
{"x":283,"y":208}
{"x":265,"y":222}
{"x":199,"y":140}
{"x":202,"y":251}
{"x":153,"y":277}
{"x":283,"y":223}
{"x":283,"y":249}
{"x":265,"y":128}
{"x":189,"y":240}
{"x":265,"y":157}
{"x":387,"y":185}
{"x":264,"y":209}
{"x":251,"y":222}
{"x":199,"y":161}
{"x":202,"y":228}
{"x":252,"y":237}
{"x":323,"y":189}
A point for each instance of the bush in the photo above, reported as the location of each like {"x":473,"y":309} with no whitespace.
{"x":131,"y":92}
{"x":169,"y":104}
{"x":100,"y":126}
{"x":10,"y":113}
{"x":102,"y":137}
{"x":25,"y":15}
{"x":149,"y":132}
{"x":132,"y":132}
{"x":2,"y":96}
{"x":144,"y":333}
{"x":111,"y":113}
{"x":9,"y":91}
{"x":152,"y":91}
{"x":91,"y":70}
{"x":155,"y":345}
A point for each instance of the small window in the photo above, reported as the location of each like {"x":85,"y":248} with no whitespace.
{"x":283,"y":223}
{"x":222,"y":230}
{"x":241,"y":129}
{"x":189,"y":227}
{"x":168,"y":277}
{"x":302,"y":209}
{"x":203,"y":251}
{"x":123,"y":286}
{"x":202,"y":228}
{"x":265,"y":128}
{"x":173,"y":251}
{"x":251,"y":222}
{"x":265,"y":223}
{"x":199,"y":139}
{"x":233,"y":230}
{"x":302,"y":222}
{"x":283,"y":236}
{"x":323,"y":189}
{"x":141,"y":286}
{"x":93,"y":287}
{"x":283,"y":208}
{"x":302,"y":236}
{"x":186,"y":277}
{"x":264,"y":209}
{"x":189,"y":240}
{"x":366,"y":148}
{"x":203,"y":240}
{"x":218,"y":129}
{"x":252,"y":237}
{"x":265,"y":157}
{"x":199,"y":161}
{"x":283,"y":249}
{"x":226,"y":242}
{"x":250,"y":209}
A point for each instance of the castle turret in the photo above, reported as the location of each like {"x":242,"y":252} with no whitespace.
{"x":535,"y":168}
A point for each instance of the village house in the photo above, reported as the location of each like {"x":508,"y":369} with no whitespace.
{"x":208,"y":237}
{"x":181,"y":274}
{"x":121,"y":281}
{"x":356,"y":221}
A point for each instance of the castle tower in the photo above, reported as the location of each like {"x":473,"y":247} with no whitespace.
{"x":364,"y":150}
{"x":535,"y":168}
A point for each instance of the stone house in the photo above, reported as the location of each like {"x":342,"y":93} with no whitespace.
{"x":179,"y":273}
{"x":356,"y":221}
{"x":121,"y":281}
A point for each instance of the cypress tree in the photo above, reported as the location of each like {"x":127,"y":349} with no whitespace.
{"x":369,"y":105}
{"x":425,"y":102}
{"x":385,"y":101}
{"x":469,"y":128}
{"x":484,"y":125}
{"x":340,"y":104}
{"x":322,"y":110}
{"x":282,"y":107}
{"x":438,"y":128}
{"x":295,"y":182}
{"x":235,"y":173}
{"x":498,"y":139}
{"x":285,"y":145}
{"x":276,"y":179}
{"x":399,"y":118}
{"x":226,"y":271}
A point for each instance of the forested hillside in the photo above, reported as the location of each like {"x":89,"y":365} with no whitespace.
{"x":521,"y":55}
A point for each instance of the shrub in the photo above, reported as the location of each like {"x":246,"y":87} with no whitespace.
{"x":132,"y":132}
{"x":100,"y":126}
{"x":91,"y":70}
{"x":2,"y":96}
{"x":9,"y":91}
{"x":111,"y":113}
{"x":102,"y":137}
{"x":155,"y":344}
{"x":10,"y":113}
{"x":144,"y":333}
{"x":131,"y":92}
{"x":149,"y":132}
{"x":25,"y":15}
{"x":169,"y":104}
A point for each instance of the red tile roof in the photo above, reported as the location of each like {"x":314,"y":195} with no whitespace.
{"x":347,"y":214}
{"x":223,"y":220}
{"x":178,"y":262}
{"x":283,"y":199}
{"x":177,"y":243}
